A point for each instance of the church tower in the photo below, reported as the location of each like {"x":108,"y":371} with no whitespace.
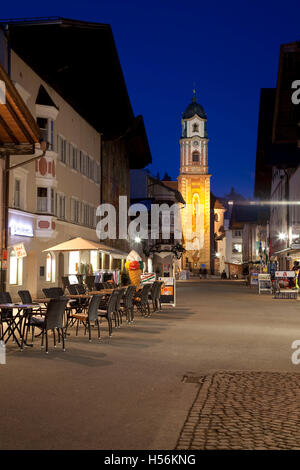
{"x":194,"y":185}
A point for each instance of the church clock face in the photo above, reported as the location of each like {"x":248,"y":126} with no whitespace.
{"x":195,"y":143}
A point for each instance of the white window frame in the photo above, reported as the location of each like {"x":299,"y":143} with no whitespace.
{"x":75,"y":210}
{"x":62,"y":149}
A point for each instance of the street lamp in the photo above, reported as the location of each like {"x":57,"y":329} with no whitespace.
{"x":282,"y":236}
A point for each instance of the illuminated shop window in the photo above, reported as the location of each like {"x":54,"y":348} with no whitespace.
{"x":15,"y":269}
{"x":50,"y":268}
{"x":73,"y":262}
{"x":94,"y":259}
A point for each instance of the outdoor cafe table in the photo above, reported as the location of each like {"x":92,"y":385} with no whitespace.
{"x":16,"y":323}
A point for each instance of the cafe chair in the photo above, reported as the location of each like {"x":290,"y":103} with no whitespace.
{"x":53,"y":320}
{"x":118,"y":315}
{"x":91,"y":316}
{"x":6,"y":314}
{"x":26,"y":298}
{"x":110,"y":311}
{"x":90,"y":281}
{"x":99,"y":285}
{"x":141,"y":301}
{"x":126,"y":305}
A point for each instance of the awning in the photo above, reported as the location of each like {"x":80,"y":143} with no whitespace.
{"x":81,"y":244}
{"x":118,"y":254}
{"x":18,"y":130}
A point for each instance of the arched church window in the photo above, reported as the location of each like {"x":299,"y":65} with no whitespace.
{"x":195,"y":128}
{"x":216,"y":217}
{"x":196,"y":156}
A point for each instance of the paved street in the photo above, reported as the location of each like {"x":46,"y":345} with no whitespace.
{"x":215,"y":372}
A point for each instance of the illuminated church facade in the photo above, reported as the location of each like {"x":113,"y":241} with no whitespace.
{"x":194,"y":185}
{"x":203,"y":214}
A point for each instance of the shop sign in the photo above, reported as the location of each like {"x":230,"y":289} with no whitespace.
{"x":21,"y":229}
{"x":253,"y":278}
{"x":147,"y":278}
{"x":284,"y":273}
{"x":168,"y":291}
{"x":20,"y":250}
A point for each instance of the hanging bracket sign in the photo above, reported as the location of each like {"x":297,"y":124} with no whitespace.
{"x":20,"y":250}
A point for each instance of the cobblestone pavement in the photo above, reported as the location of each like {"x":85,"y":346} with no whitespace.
{"x":244,"y":410}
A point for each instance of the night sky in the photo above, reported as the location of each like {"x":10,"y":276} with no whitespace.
{"x":228,"y":49}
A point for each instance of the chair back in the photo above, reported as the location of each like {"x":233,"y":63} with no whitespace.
{"x":25,"y":296}
{"x":112,"y":303}
{"x":121,"y":292}
{"x":128,"y":297}
{"x":159,"y":289}
{"x":153,"y":291}
{"x":80,"y":289}
{"x":65,"y":281}
{"x":47,"y":292}
{"x":7,"y":298}
{"x":5,"y":313}
{"x":57,"y":292}
{"x":143,"y":294}
{"x":90,"y":281}
{"x":72,"y":288}
{"x":93,"y":307}
{"x":55,"y":312}
{"x":99,"y":285}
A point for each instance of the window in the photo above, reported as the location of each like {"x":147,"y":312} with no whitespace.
{"x":236,"y":248}
{"x":216,"y":217}
{"x":50,"y":268}
{"x":45,"y":200}
{"x":62,"y":149}
{"x":17,"y":193}
{"x":15,"y":269}
{"x":94,"y":259}
{"x":73,"y":262}
{"x":84,"y":164}
{"x":75,"y":210}
{"x":88,"y":164}
{"x":42,"y":200}
{"x":92,"y":170}
{"x":237,"y":233}
{"x":60,"y":206}
{"x":195,"y":156}
{"x":46,"y":128}
{"x":73,"y":157}
{"x":195,"y":128}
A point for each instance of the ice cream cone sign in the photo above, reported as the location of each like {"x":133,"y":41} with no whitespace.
{"x":134,"y":265}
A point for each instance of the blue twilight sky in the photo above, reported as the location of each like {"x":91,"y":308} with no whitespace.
{"x":229,"y":49}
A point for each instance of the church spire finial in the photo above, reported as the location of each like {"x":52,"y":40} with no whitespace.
{"x":194,"y":94}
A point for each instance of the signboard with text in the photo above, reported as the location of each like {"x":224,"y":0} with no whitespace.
{"x":284,"y":274}
{"x":20,"y":250}
{"x":168,"y":294}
